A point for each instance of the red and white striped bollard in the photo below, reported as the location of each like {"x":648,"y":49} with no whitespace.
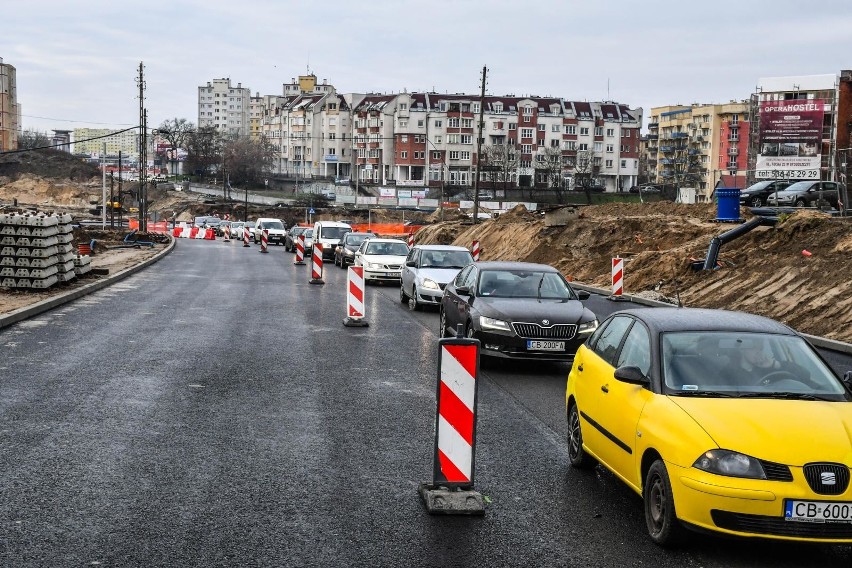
{"x":355,"y":298}
{"x":410,"y":240}
{"x":300,"y":251}
{"x":617,"y":277}
{"x":474,"y":249}
{"x":246,"y":236}
{"x":316,"y":265}
{"x":264,"y":240}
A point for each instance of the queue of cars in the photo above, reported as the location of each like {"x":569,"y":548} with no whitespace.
{"x":721,"y":421}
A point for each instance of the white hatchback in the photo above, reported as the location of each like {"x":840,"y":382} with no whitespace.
{"x":427,"y":271}
{"x":382,"y":259}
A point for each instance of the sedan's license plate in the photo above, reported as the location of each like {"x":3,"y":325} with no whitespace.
{"x":533,"y":345}
{"x":818,"y":511}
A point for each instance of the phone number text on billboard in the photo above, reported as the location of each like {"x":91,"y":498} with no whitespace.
{"x":787,"y":174}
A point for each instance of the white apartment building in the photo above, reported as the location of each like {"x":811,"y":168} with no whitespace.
{"x":225,"y":107}
{"x":91,"y":141}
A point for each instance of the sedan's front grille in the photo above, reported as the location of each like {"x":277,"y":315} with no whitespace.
{"x":777,"y":526}
{"x":537,"y":331}
{"x":827,"y":478}
{"x":392,"y":266}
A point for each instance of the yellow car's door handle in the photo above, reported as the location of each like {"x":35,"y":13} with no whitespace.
{"x":605,"y":388}
{"x":580,"y":368}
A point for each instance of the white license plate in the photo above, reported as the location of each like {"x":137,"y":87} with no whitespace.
{"x":818,"y":511}
{"x":533,"y":345}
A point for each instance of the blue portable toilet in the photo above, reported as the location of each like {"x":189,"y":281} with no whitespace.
{"x":728,"y":204}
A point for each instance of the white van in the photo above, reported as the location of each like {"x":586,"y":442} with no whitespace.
{"x":329,"y":233}
{"x":277,"y":230}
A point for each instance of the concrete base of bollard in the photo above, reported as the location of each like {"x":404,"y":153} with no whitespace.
{"x":246,"y":245}
{"x":316,"y":281}
{"x":444,"y":501}
{"x":298,"y":263}
{"x":615,"y":298}
{"x":264,"y":250}
{"x":355,"y":322}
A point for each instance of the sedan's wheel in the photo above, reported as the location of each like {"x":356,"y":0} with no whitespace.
{"x":756,"y":202}
{"x":800,"y":203}
{"x":403,"y":297}
{"x":413,"y":304}
{"x":660,"y":515}
{"x":470,"y":333}
{"x":577,"y":456}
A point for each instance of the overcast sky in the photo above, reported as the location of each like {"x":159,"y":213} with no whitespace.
{"x":77,"y":62}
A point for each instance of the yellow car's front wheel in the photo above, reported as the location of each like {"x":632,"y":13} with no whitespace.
{"x":660,"y":514}
{"x":576,"y":454}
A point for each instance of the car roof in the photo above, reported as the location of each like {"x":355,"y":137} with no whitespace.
{"x":505,"y":265}
{"x":387,"y":241}
{"x":440,"y":247}
{"x":661,"y":320}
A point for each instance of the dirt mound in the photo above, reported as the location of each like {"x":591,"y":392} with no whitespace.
{"x":51,"y":164}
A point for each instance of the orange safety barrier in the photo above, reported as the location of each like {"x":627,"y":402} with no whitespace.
{"x":386,"y":229}
{"x":159,"y":227}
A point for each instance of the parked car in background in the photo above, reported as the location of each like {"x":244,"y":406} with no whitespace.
{"x":382,"y":259}
{"x":344,"y":253}
{"x":721,"y":421}
{"x":809,"y":194}
{"x":292,"y":236}
{"x":276,"y":231}
{"x":517,"y":310}
{"x":427,"y":271}
{"x":309,"y":242}
{"x":757,"y":195}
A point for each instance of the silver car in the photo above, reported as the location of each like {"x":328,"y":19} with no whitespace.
{"x":427,"y":270}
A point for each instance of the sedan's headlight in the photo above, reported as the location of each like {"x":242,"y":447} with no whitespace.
{"x":491,"y":323}
{"x":731,"y":464}
{"x":372,"y":265}
{"x":430,"y":284}
{"x":587,"y":327}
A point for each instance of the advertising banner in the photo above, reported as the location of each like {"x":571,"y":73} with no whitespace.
{"x":790,"y":139}
{"x":387,"y":192}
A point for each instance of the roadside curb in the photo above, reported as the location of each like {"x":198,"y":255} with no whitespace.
{"x":50,"y":303}
{"x":817,"y":341}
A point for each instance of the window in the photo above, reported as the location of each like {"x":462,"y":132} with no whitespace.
{"x":623,"y":163}
{"x":513,"y":126}
{"x":403,"y":124}
{"x":528,"y":111}
{"x":598,"y":130}
{"x":452,"y":122}
{"x":627,"y":133}
{"x":403,"y":106}
{"x":467,"y":123}
{"x":598,"y":146}
{"x":403,"y":155}
{"x":419,"y":124}
{"x":542,"y":128}
{"x":465,"y":156}
{"x":452,"y":138}
{"x":498,"y":107}
{"x":454,"y":155}
{"x":636,"y":349}
{"x":554,"y":128}
{"x":439,"y":139}
{"x":608,"y":163}
{"x":583,"y":147}
{"x":466,"y":139}
{"x":541,"y":142}
{"x":584,"y":131}
{"x":570,"y":129}
{"x":403,"y":139}
{"x":436,"y":155}
{"x":475,"y":107}
{"x":610,"y":132}
{"x":610,"y":148}
{"x":525,"y":163}
{"x":526,"y":148}
{"x":527,"y":132}
{"x":438,"y":124}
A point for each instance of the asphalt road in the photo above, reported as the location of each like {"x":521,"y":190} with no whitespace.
{"x":212,"y":410}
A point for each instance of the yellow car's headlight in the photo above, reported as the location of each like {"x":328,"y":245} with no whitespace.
{"x":731,"y":464}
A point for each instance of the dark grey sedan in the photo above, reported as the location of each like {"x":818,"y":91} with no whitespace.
{"x":517,"y":310}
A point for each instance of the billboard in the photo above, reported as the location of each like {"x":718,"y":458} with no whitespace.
{"x":790,"y":139}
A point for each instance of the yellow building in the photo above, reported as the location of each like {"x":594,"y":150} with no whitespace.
{"x":91,"y":141}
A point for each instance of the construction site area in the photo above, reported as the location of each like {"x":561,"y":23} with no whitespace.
{"x":794,"y":270}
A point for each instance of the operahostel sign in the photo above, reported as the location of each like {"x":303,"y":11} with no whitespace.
{"x":790,"y":139}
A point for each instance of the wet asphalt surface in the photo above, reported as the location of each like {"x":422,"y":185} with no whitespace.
{"x":212,"y":410}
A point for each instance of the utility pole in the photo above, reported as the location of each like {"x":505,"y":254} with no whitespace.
{"x":479,"y":147}
{"x":143,"y":148}
{"x":103,"y":186}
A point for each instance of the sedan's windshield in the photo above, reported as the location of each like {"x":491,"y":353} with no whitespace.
{"x":334,"y":232}
{"x":389,"y":249}
{"x":524,"y":284}
{"x":746,"y":364}
{"x":354,"y":240}
{"x":445,"y":258}
{"x":272,"y":225}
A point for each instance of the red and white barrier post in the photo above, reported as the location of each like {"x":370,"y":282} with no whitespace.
{"x":264,"y":240}
{"x":355,"y":298}
{"x":474,"y":249}
{"x":227,"y":233}
{"x":617,"y":278}
{"x":451,"y":490}
{"x":300,"y":251}
{"x":316,"y":265}
{"x":246,"y":237}
{"x":410,"y":240}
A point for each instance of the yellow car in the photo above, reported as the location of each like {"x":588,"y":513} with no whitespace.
{"x":721,"y":421}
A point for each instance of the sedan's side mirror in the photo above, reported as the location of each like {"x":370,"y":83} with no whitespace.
{"x":463,"y":290}
{"x":632,"y":375}
{"x":847,"y":380}
{"x":583,"y":295}
{"x":410,"y":263}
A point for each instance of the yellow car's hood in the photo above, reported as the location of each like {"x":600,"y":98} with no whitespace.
{"x":792,"y":432}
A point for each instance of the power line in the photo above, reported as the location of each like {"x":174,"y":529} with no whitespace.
{"x":72,"y":120}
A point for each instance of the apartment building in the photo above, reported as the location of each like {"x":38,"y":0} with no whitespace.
{"x":695,"y":146}
{"x":91,"y":141}
{"x":10,"y":110}
{"x":225,"y":107}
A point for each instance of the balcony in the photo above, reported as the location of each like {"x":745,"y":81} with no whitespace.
{"x":733,"y":138}
{"x":666,"y":149}
{"x":733,"y":151}
{"x":653,"y":136}
{"x":694,"y":152}
{"x":680,"y":135}
{"x":653,"y":124}
{"x":667,"y":161}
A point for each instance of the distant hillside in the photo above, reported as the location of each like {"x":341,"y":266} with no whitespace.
{"x":49,"y":164}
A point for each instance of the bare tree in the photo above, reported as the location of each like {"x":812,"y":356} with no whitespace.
{"x":583,"y":172}
{"x":248,"y":160}
{"x":551,"y":165}
{"x":30,"y":139}
{"x":500,"y":161}
{"x":204,"y":150}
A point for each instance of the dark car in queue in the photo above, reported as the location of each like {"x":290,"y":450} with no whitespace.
{"x":292,"y":236}
{"x":757,"y":195}
{"x":344,"y":253}
{"x":517,"y":310}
